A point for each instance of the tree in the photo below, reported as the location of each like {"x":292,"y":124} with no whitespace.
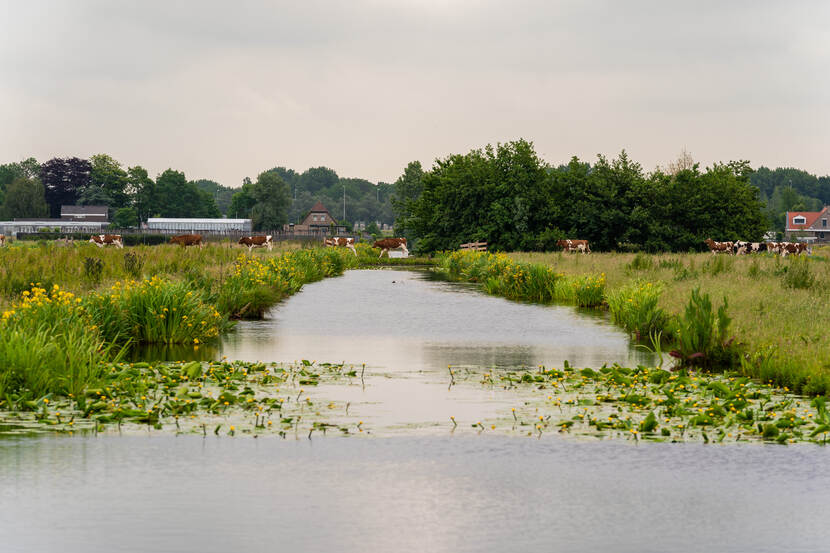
{"x":272,"y":199}
{"x":26,"y":169}
{"x":241,"y":204}
{"x":499,"y":195}
{"x":63,"y":181}
{"x":125,"y":217}
{"x":94,"y":195}
{"x":142,"y":192}
{"x":179,"y":198}
{"x":24,"y":198}
{"x":108,"y":175}
{"x":221,"y":195}
{"x":408,"y":189}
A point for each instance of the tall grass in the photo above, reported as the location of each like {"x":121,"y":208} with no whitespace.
{"x":635,"y":307}
{"x":502,"y":276}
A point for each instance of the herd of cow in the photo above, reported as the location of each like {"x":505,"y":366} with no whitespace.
{"x":742,"y":248}
{"x":386,"y":244}
{"x":249,"y":242}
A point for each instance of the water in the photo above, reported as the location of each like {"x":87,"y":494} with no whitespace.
{"x":171,"y":494}
{"x":406,"y":491}
{"x":404,"y":321}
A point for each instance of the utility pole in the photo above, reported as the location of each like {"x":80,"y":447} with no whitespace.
{"x":344,"y":203}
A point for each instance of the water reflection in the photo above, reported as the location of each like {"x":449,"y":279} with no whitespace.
{"x":407,"y":320}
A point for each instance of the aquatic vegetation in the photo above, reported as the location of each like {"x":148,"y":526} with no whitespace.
{"x":217,"y":397}
{"x":657,"y":405}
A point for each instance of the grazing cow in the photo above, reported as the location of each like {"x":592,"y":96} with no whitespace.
{"x":102,"y":240}
{"x":342,"y":242}
{"x":719,"y":247}
{"x":386,"y":244}
{"x":773,"y":247}
{"x":757,"y":247}
{"x":742,"y":248}
{"x":185,"y":240}
{"x":794,"y":248}
{"x":574,"y":246}
{"x":2,"y":240}
{"x":252,"y":242}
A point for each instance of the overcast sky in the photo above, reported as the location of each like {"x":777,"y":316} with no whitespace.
{"x":224,"y":90}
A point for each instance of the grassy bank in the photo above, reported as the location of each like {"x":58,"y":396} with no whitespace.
{"x":777,"y":306}
{"x":67,"y":310}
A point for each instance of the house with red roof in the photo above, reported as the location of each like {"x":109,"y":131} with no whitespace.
{"x":810,"y":226}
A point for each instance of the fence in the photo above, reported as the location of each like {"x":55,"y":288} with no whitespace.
{"x":474,"y":246}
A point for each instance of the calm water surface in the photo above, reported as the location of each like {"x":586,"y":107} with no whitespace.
{"x":403,"y":320}
{"x":408,"y":492}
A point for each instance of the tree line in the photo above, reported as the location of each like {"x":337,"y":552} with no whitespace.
{"x":29,"y":189}
{"x":509,"y":197}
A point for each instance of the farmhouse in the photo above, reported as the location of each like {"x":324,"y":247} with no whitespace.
{"x":318,"y":222}
{"x":811,"y":226}
{"x":193,"y":226}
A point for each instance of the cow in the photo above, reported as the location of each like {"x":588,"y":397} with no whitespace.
{"x":64,"y":241}
{"x":2,"y":240}
{"x":574,"y":246}
{"x":102,"y":240}
{"x":719,"y":247}
{"x":185,"y":240}
{"x":773,"y":247}
{"x":741,"y":248}
{"x":794,"y":248}
{"x":386,"y":244}
{"x":252,"y":242}
{"x":342,"y":242}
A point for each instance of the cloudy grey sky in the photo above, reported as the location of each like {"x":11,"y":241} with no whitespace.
{"x":223,"y":90}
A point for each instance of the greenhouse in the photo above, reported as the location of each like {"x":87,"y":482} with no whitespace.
{"x":198,"y":225}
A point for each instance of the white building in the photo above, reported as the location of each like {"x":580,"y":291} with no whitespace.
{"x":198,"y":225}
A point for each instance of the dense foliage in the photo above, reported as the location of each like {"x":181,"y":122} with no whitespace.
{"x":507,"y":196}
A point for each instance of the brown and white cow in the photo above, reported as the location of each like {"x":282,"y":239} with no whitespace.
{"x":742,"y":248}
{"x":257,"y":242}
{"x":386,"y":244}
{"x":342,"y":242}
{"x":185,"y":240}
{"x":2,"y":240}
{"x":102,"y":240}
{"x":574,"y":246}
{"x":719,"y":247}
{"x":793,"y":248}
{"x":773,"y":247}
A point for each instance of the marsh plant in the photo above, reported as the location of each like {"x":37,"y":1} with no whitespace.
{"x":635,"y":308}
{"x":702,"y":335}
